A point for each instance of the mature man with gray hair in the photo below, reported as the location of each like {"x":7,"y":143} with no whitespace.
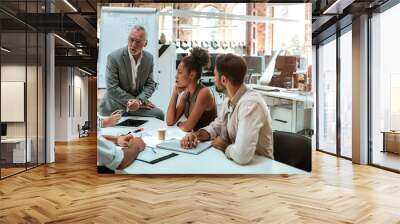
{"x":129,"y":78}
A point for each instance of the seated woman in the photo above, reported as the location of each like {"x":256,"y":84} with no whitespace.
{"x":197,"y":101}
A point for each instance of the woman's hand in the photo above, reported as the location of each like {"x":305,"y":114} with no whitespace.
{"x":178,"y":90}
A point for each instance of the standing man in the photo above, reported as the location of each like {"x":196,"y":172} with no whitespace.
{"x":129,"y":77}
{"x":243,"y":128}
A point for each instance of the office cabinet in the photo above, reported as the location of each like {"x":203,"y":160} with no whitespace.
{"x":391,"y":142}
{"x":281,"y":117}
{"x":13,"y":150}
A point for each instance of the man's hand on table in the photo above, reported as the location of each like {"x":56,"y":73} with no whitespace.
{"x":134,"y":147}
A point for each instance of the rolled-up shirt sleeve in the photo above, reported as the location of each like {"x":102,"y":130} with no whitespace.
{"x":108,"y":154}
{"x":250,"y":122}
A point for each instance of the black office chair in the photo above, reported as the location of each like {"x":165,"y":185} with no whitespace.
{"x":84,"y":130}
{"x":104,"y":170}
{"x":292,"y":149}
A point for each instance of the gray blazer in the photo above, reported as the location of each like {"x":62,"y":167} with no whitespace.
{"x":120,"y":87}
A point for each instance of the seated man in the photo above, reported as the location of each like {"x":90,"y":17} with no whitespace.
{"x":129,"y":77}
{"x":197,"y":102}
{"x":243,"y":128}
{"x":114,"y":158}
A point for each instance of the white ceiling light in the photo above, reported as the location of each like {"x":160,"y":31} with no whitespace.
{"x":86,"y":72}
{"x":5,"y":50}
{"x":70,"y":5}
{"x":337,"y":7}
{"x":65,"y":41}
{"x":224,"y":16}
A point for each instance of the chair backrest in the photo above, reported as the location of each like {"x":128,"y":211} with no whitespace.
{"x":293,"y":149}
{"x":85,"y":126}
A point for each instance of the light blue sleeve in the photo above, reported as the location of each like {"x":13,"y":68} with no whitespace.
{"x":108,"y":154}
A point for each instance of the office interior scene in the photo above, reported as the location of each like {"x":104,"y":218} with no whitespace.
{"x":49,"y":102}
{"x":274,"y":41}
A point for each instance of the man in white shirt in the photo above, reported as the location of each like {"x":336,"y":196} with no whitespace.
{"x":243,"y":126}
{"x":129,"y":78}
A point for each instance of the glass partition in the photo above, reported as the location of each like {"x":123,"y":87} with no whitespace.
{"x":327,"y":97}
{"x":346,"y":94}
{"x":385,"y":89}
{"x":14,"y":154}
{"x":22,"y":89}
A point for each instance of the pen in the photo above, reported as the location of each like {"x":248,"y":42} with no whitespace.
{"x":152,"y":149}
{"x":138,"y":130}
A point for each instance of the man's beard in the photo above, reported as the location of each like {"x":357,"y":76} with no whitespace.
{"x":220,"y":90}
{"x":132,"y":52}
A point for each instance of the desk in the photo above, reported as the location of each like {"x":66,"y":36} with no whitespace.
{"x":290,"y":111}
{"x":13,"y":150}
{"x":211,"y":161}
{"x":391,"y":141}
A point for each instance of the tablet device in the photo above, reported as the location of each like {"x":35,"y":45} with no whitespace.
{"x":175,"y":145}
{"x":132,"y":123}
{"x":148,"y":155}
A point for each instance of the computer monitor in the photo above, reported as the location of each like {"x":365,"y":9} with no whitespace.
{"x":3,"y":129}
{"x":254,"y":64}
{"x":213,"y":57}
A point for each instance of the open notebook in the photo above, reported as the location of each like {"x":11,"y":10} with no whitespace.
{"x":175,"y":145}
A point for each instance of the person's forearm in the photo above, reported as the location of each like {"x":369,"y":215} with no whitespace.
{"x":184,"y":126}
{"x":171,"y":119}
{"x":111,"y":138}
{"x":106,"y":122}
{"x":203,"y":135}
{"x":128,"y":158}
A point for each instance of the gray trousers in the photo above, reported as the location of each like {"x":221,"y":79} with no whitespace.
{"x":154,"y":112}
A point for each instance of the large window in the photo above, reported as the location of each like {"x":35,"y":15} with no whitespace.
{"x":335,"y":94}
{"x":346,"y":93}
{"x":238,"y":28}
{"x":290,"y":36}
{"x":385,"y":89}
{"x":327,"y":97}
{"x":206,"y":29}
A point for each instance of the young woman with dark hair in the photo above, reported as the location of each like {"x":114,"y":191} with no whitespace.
{"x":197,"y":101}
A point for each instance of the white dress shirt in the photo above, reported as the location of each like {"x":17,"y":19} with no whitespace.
{"x":134,"y":66}
{"x":244,"y":122}
{"x":108,"y":154}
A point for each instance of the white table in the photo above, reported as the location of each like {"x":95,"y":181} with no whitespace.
{"x":294,"y":117}
{"x":19,"y":155}
{"x":211,"y":161}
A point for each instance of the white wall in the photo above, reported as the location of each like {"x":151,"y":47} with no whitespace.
{"x":70,"y":84}
{"x":33,"y":127}
{"x":166,"y":73}
{"x":14,"y":73}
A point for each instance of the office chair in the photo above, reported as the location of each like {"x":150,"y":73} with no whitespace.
{"x":104,"y":170}
{"x":292,"y":149}
{"x":84,"y":130}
